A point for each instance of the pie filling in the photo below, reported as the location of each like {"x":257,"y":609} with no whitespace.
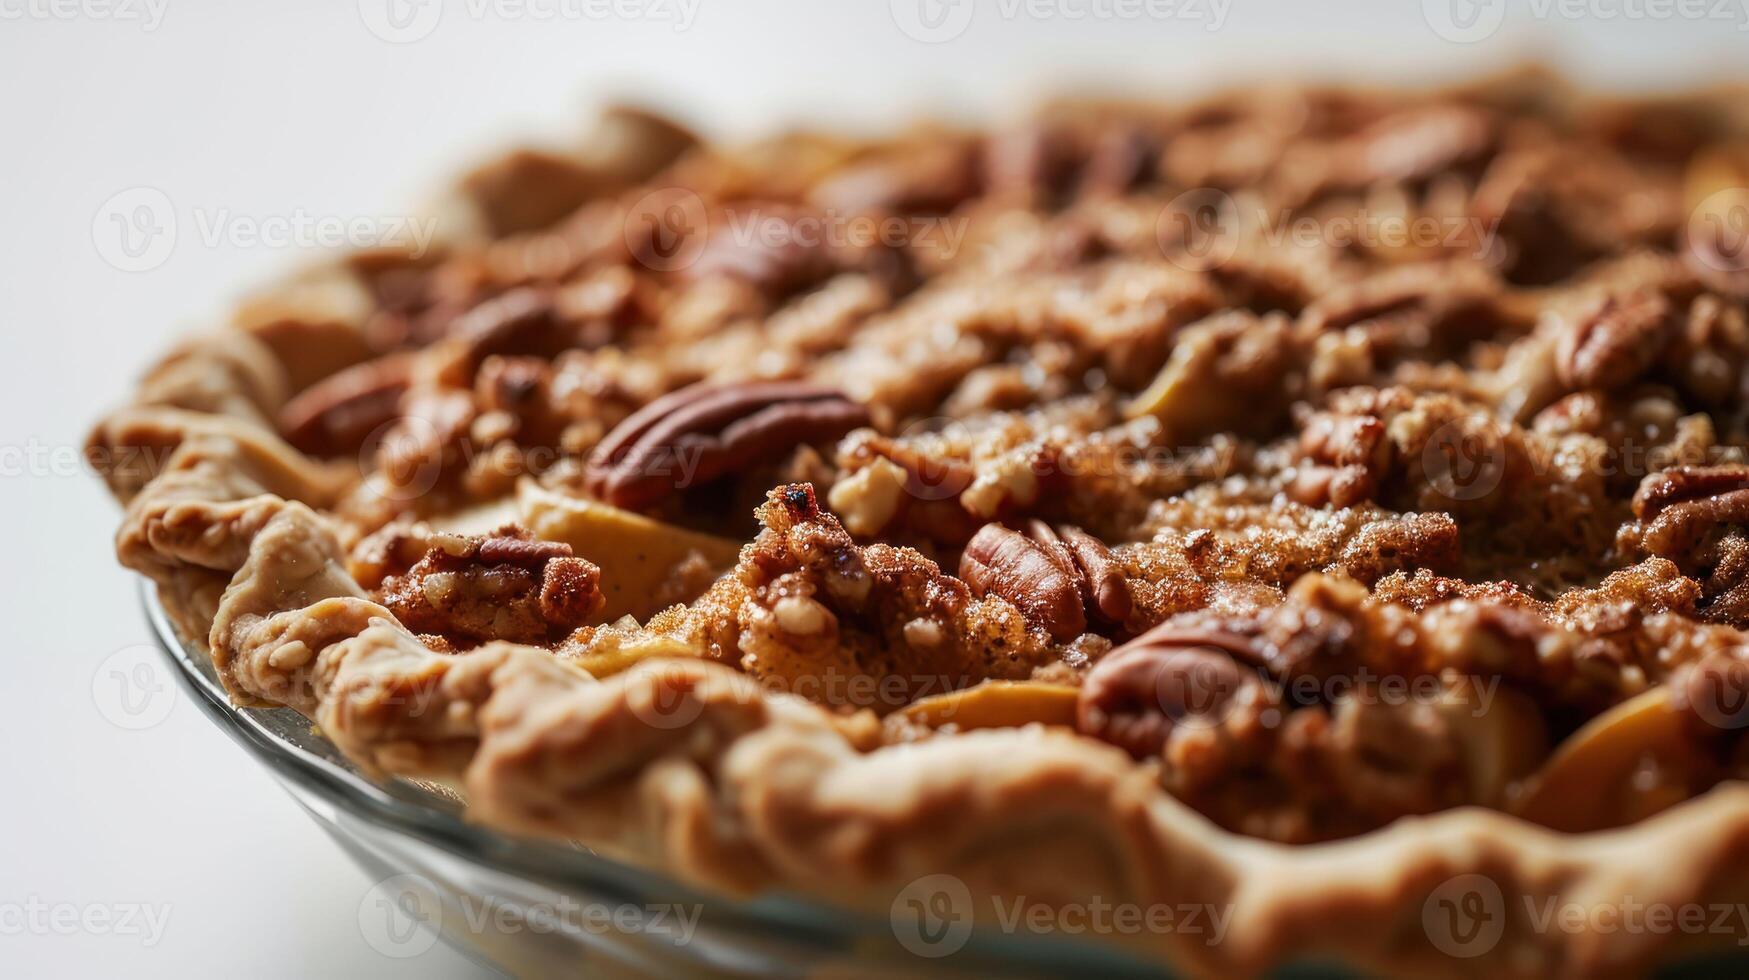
{"x":1339,"y":456}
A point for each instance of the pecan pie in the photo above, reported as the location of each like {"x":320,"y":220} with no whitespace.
{"x":1293,"y":502}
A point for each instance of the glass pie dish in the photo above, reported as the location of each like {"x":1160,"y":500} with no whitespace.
{"x":550,"y":909}
{"x":1153,"y":594}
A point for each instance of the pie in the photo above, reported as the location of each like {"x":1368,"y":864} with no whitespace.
{"x":1326,"y":505}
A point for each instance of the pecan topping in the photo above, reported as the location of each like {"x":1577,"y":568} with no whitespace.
{"x":778,"y":259}
{"x":1039,"y":578}
{"x":926,"y":477}
{"x":336,"y":415}
{"x":1140,"y":692}
{"x":698,"y":434}
{"x":521,"y":321}
{"x":1346,"y":455}
{"x":1417,"y":143}
{"x":1684,"y":483}
{"x":1098,"y":576}
{"x":1680,"y":526}
{"x":1108,"y":591}
{"x":1058,"y":577}
{"x":504,"y":586}
{"x":521,"y":389}
{"x":1696,"y":516}
{"x":1616,"y":342}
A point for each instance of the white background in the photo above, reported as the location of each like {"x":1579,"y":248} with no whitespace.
{"x":243,"y":112}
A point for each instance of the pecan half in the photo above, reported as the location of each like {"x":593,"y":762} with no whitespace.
{"x":1040,"y":578}
{"x":1346,"y":454}
{"x":521,"y":321}
{"x":779,"y":258}
{"x":1099,"y":577}
{"x":698,"y":434}
{"x":1681,"y":526}
{"x":335,"y":416}
{"x":1139,"y":693}
{"x":1684,"y":483}
{"x":1616,"y":341}
{"x":1417,"y":143}
{"x":504,"y":586}
{"x":1058,"y":577}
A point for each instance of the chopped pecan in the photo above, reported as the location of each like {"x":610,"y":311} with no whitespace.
{"x":337,"y":415}
{"x":1033,"y":160}
{"x":1421,"y":310}
{"x":504,"y":586}
{"x":633,"y":143}
{"x":1710,"y":356}
{"x":520,"y":391}
{"x":1139,"y":693}
{"x":1040,"y":578}
{"x":1615,"y":341}
{"x":1697,"y":516}
{"x":1346,"y":455}
{"x":1680,"y":526}
{"x":528,"y":189}
{"x":698,"y":434}
{"x":926,"y":477}
{"x":1685,"y":483}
